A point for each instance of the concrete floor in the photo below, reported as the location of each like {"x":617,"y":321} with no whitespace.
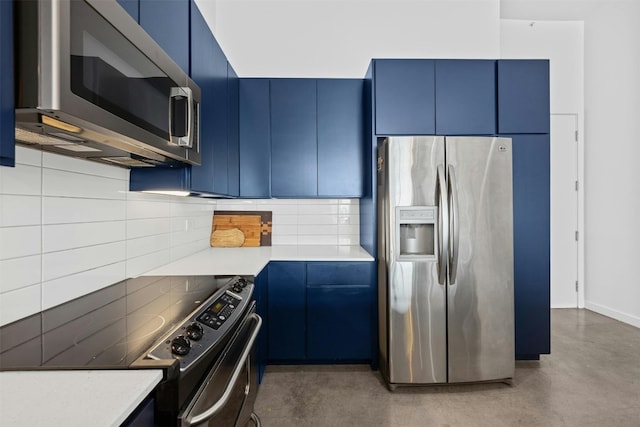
{"x":591,"y":378}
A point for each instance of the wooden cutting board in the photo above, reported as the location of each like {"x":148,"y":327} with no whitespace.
{"x":254,"y":225}
{"x":232,"y":238}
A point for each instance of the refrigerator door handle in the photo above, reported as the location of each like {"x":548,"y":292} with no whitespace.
{"x":443,"y":231}
{"x":454,"y":231}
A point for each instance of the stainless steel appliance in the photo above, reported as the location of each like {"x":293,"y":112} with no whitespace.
{"x":445,"y":260}
{"x":91,"y":83}
{"x":199,"y":330}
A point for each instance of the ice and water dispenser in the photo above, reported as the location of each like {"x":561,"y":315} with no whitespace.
{"x":416,"y":231}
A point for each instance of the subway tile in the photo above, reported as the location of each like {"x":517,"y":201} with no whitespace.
{"x":147,"y":227}
{"x":72,"y":164}
{"x":185,"y":237}
{"x":20,"y":303}
{"x":282,"y":219}
{"x":317,"y":202}
{"x":147,"y":245}
{"x":279,"y":240}
{"x":140,"y":265}
{"x":188,"y":209}
{"x":20,"y":272}
{"x":65,"y":210}
{"x":349,"y":240}
{"x":58,"y":291}
{"x":279,"y":209}
{"x":317,"y":219}
{"x":20,"y":210}
{"x":235,"y":207}
{"x":349,"y":209}
{"x":137,"y":209}
{"x":70,"y":184}
{"x":348,"y":229}
{"x":284,"y":230}
{"x":317,"y":240}
{"x":20,"y":241}
{"x":28,"y":156}
{"x":22,"y":180}
{"x":73,"y":261}
{"x":355,"y":202}
{"x":317,"y":209}
{"x":318,"y":229}
{"x":348,"y":219}
{"x":181,"y":251}
{"x":62,"y":237}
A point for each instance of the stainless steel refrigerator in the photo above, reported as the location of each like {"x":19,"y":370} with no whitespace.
{"x":445,"y":249}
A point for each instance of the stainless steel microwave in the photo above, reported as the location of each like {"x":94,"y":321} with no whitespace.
{"x":91,"y":83}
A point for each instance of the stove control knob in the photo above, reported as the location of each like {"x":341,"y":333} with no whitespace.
{"x":237,"y":287}
{"x":180,"y":345}
{"x":243,"y":282}
{"x":195,"y":331}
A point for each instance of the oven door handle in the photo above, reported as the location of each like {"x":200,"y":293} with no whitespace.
{"x":213,"y":409}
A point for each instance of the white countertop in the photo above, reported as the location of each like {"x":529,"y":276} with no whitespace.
{"x":250,"y":261}
{"x":73,"y":398}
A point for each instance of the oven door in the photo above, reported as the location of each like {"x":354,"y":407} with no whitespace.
{"x":226,"y":396}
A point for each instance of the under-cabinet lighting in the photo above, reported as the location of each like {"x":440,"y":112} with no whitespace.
{"x":169,"y":193}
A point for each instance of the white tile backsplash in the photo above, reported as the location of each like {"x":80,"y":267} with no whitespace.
{"x":69,"y":227}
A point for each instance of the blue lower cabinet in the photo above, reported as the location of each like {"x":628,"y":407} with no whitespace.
{"x":339,"y":323}
{"x":531,"y":235}
{"x":286,"y":298}
{"x":7,"y":105}
{"x":261,"y":283}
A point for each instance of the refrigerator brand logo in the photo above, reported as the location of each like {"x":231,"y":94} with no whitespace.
{"x":502,"y":148}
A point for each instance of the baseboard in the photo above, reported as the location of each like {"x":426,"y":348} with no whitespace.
{"x":615,"y":314}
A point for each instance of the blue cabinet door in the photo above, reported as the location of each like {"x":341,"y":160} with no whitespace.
{"x":404,"y":96}
{"x":523,"y":96}
{"x":167,"y":21}
{"x":340,"y":311}
{"x":294,"y":157}
{"x":340,"y":127}
{"x":261,"y":283}
{"x":132,"y":7}
{"x":255,"y":139}
{"x":338,"y":323}
{"x":531,"y":229}
{"x":209,"y":71}
{"x":286,"y":296}
{"x":233,"y":132}
{"x":465,"y":97}
{"x":7,"y":106}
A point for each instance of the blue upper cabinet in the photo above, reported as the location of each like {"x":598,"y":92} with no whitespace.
{"x":465,"y":97}
{"x":404,"y":97}
{"x":255,"y":139}
{"x":209,"y":71}
{"x":132,"y":7}
{"x":233,"y":132}
{"x":340,"y":130}
{"x":294,"y":156}
{"x":167,"y":22}
{"x":523,"y":96}
{"x":7,"y":106}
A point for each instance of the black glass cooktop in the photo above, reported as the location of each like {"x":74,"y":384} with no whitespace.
{"x":109,"y":328}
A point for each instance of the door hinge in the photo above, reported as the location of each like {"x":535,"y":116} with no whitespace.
{"x":577,"y":236}
{"x":577,"y":186}
{"x":576,"y":286}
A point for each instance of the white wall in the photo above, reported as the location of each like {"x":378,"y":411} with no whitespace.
{"x":338,"y":38}
{"x":611,"y":149}
{"x":69,"y":227}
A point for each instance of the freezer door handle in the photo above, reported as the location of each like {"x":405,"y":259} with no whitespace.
{"x":443,"y":231}
{"x":454,"y":231}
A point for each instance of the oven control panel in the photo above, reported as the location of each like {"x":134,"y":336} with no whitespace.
{"x":207,"y":326}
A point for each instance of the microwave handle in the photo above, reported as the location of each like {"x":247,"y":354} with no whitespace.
{"x":213,"y":409}
{"x":181,"y":92}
